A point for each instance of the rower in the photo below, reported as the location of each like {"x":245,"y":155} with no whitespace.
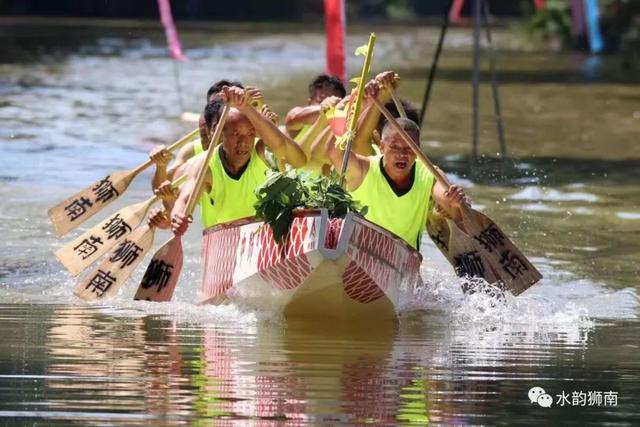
{"x":371,"y":124}
{"x":299,"y":119}
{"x":367,"y":138}
{"x":161,"y":157}
{"x":398,"y":191}
{"x":238,"y":166}
{"x":161,"y":180}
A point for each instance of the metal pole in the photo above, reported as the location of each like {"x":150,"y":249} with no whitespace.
{"x":494,"y":81}
{"x":476,"y":74}
{"x":434,"y":63}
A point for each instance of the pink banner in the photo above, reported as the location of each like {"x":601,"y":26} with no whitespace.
{"x":170,"y":30}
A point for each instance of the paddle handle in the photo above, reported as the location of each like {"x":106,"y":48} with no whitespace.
{"x":195,"y":194}
{"x":392,"y":121}
{"x":178,"y":144}
{"x":176,"y":183}
{"x":397,"y":102}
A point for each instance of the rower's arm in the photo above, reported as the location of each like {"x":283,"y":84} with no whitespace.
{"x":163,"y":174}
{"x":318,"y":147}
{"x":369,"y":120}
{"x":450,"y":199}
{"x":357,"y":165}
{"x":281,"y":145}
{"x":192,"y":170}
{"x":297,"y":117}
{"x":307,"y":141}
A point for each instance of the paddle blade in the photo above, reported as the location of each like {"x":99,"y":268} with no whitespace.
{"x":462,"y":252}
{"x":107,"y":279}
{"x":92,"y":244}
{"x":514,"y":269}
{"x":161,"y":277}
{"x":75,"y":210}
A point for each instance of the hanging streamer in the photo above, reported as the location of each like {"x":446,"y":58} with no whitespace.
{"x":170,"y":30}
{"x":456,"y":11}
{"x":335,"y":27}
{"x":592,"y":10}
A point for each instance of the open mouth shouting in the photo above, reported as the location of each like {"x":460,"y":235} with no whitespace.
{"x":401,"y":164}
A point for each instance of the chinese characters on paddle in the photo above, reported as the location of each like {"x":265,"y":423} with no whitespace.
{"x":103,"y":192}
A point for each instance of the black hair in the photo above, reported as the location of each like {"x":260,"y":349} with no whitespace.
{"x":217,"y":87}
{"x":409,"y":126}
{"x":326,"y":81}
{"x":412,"y":113}
{"x":212,"y":111}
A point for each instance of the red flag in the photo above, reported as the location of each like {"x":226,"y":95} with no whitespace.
{"x":170,"y":30}
{"x":335,"y":27}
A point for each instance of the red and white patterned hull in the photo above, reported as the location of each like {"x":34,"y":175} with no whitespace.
{"x":328,"y":268}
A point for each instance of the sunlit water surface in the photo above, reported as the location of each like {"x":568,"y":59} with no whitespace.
{"x":79,"y":102}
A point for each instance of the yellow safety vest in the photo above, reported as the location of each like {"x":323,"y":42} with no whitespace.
{"x":234,"y":198}
{"x":406,"y":215}
{"x":206,"y":203}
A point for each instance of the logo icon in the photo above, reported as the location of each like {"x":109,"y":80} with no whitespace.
{"x":539,"y":396}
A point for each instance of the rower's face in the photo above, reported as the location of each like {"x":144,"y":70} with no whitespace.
{"x":238,"y":136}
{"x":202,"y":127}
{"x":321,"y":94}
{"x":398,"y":156}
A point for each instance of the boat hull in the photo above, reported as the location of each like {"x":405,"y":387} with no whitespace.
{"x":326,"y":268}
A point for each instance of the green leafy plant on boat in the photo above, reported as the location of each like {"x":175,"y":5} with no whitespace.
{"x":284,"y":192}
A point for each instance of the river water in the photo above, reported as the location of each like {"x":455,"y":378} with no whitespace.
{"x":81,"y":100}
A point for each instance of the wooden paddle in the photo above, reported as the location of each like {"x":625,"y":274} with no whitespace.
{"x":510,"y":266}
{"x":397,"y":103}
{"x":160,"y":278}
{"x":92,"y":244}
{"x":75,"y":210}
{"x":459,"y":249}
{"x":107,"y":279}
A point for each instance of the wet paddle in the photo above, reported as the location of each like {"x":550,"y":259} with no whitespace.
{"x":92,"y":244}
{"x":160,"y":278}
{"x":503,"y":257}
{"x":75,"y":210}
{"x":459,"y":249}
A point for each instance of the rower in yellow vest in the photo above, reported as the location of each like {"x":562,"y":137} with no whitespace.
{"x":305,"y":123}
{"x":163,"y":175}
{"x":321,"y":87}
{"x":234,"y":193}
{"x":398,"y":192}
{"x":238,"y":166}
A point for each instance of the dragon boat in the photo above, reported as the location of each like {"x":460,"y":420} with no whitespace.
{"x":329,"y":268}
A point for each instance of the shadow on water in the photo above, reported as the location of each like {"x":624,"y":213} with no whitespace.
{"x":605,"y":74}
{"x":513,"y":172}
